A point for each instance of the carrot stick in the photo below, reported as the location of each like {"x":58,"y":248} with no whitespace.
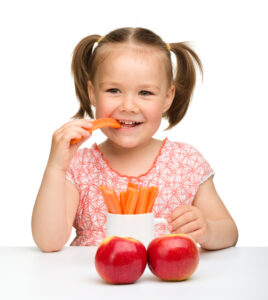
{"x":153,"y":191}
{"x":123,"y":199}
{"x":142,"y":202}
{"x":105,"y":122}
{"x":102,"y":188}
{"x":133,"y":185}
{"x":131,"y":200}
{"x":100,"y":123}
{"x":111,"y":200}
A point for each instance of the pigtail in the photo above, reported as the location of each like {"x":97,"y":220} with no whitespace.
{"x":184,"y":81}
{"x":81,"y":61}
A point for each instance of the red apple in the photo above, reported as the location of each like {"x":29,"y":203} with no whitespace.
{"x":120,"y":260}
{"x":173,"y":257}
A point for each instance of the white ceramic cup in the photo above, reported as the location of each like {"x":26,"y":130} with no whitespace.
{"x":138,"y":226}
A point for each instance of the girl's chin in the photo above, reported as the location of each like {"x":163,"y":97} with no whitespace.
{"x":125,"y":141}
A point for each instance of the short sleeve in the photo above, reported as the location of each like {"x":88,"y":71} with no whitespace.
{"x":200,"y":165}
{"x":73,"y":168}
{"x":193,"y":168}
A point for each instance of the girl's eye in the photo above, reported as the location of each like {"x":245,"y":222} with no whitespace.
{"x":113,"y":91}
{"x":145,"y":93}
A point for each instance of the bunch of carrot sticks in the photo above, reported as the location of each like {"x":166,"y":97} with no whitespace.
{"x":135,"y":200}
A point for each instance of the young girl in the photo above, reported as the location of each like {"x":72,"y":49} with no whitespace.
{"x":127,"y":75}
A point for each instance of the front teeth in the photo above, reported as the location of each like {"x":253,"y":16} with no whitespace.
{"x":127,"y":122}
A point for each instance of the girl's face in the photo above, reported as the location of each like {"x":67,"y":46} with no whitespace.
{"x":130,"y":85}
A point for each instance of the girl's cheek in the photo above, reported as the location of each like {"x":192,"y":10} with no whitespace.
{"x":103,"y":108}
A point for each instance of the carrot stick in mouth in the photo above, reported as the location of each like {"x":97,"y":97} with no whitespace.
{"x":99,"y":123}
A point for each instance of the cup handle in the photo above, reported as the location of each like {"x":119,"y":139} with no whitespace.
{"x":163,"y":221}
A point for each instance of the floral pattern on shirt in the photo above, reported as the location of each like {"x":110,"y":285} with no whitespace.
{"x":178,"y":170}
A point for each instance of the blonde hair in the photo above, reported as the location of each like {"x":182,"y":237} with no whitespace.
{"x":85,"y":62}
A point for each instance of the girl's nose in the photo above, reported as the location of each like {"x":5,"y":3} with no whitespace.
{"x":128,"y":104}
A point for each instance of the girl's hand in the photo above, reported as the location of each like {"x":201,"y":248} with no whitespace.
{"x":189,"y":220}
{"x":62,"y":151}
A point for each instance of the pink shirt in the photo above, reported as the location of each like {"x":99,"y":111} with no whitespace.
{"x":178,"y":170}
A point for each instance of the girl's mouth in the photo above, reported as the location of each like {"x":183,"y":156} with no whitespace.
{"x":129,"y":124}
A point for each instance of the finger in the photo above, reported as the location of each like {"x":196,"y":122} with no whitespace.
{"x":80,"y":123}
{"x":84,"y":133}
{"x":75,"y":133}
{"x":81,"y":126}
{"x":179,"y":211}
{"x":196,"y":235}
{"x":81,"y":130}
{"x":184,"y":219}
{"x":83,"y":140}
{"x":188,"y":228}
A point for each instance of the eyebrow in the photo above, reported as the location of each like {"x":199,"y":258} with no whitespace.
{"x":109,"y":83}
{"x":143,"y":86}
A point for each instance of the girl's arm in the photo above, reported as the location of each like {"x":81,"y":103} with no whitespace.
{"x":54,"y":211}
{"x":207,"y":220}
{"x":57,"y":199}
{"x":222,"y":229}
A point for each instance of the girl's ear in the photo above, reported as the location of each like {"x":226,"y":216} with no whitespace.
{"x":91,"y":93}
{"x":169,"y":98}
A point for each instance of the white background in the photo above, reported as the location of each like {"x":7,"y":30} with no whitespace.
{"x":226,"y":120}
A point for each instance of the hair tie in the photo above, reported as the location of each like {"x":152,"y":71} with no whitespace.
{"x":168,"y":46}
{"x":100,"y":39}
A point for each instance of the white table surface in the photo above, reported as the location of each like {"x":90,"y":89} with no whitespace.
{"x":28,"y":273}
